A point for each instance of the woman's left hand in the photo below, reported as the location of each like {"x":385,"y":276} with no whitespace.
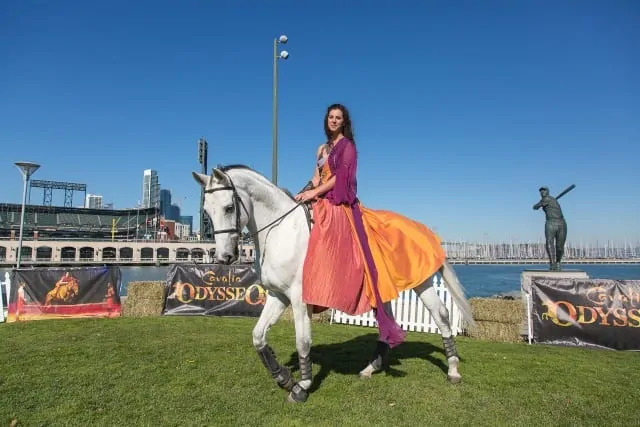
{"x":305,"y":196}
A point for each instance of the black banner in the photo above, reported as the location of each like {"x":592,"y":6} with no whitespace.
{"x":600,"y":313}
{"x":213,"y":290}
{"x":45,"y":293}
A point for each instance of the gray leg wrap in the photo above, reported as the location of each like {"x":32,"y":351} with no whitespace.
{"x":305,"y":368}
{"x":298,"y":393}
{"x":279,"y":373}
{"x":449,"y":347}
{"x":380,"y":356}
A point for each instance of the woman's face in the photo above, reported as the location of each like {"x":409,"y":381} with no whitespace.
{"x":335,"y":120}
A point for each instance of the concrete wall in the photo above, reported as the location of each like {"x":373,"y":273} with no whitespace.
{"x":56,"y":251}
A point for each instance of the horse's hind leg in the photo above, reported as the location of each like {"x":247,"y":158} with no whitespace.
{"x":440,"y":314}
{"x":302,"y":321}
{"x":273,"y":309}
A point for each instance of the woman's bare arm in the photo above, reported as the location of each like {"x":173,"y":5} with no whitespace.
{"x":316,"y":172}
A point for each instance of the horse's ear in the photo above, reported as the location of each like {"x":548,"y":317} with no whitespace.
{"x":200,"y":178}
{"x":219,"y":176}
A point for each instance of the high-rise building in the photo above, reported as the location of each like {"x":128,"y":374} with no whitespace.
{"x":168,"y":210}
{"x":93,"y":201}
{"x":174,"y":212}
{"x":165,"y":203}
{"x":150,"y":189}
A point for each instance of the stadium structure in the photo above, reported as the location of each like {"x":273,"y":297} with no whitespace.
{"x":57,"y":222}
{"x":47,"y":221}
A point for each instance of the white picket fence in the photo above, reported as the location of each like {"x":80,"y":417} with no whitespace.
{"x":410,"y":313}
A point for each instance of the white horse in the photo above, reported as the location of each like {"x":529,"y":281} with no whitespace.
{"x":237,"y":197}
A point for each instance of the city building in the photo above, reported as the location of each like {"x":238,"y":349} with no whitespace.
{"x":168,"y":210}
{"x":150,"y":189}
{"x":93,"y":201}
{"x":182,"y":231}
{"x":172,"y":230}
{"x":165,"y":203}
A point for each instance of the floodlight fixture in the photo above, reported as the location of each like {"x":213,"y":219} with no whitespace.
{"x":27,"y":168}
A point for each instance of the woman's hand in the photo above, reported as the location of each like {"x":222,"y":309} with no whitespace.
{"x":305,"y":196}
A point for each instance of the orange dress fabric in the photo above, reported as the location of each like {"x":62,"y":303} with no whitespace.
{"x":336,"y":274}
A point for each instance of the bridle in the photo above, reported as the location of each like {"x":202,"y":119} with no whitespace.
{"x":237,"y":202}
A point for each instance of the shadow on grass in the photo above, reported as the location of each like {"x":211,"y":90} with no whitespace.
{"x":350,"y":357}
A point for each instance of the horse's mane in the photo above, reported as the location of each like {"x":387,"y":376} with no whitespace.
{"x":227,"y":168}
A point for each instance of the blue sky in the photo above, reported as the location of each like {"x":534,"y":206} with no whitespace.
{"x":461,"y":109}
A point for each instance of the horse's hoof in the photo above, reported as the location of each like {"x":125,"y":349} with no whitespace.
{"x":291,"y":399}
{"x":368,"y":372}
{"x":297,"y":395}
{"x":454,"y":379}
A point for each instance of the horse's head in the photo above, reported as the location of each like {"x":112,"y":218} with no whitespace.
{"x":228,"y":207}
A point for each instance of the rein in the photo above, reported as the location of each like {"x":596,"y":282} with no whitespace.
{"x":238,"y":202}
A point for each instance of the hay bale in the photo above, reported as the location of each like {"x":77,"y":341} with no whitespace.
{"x":496,"y":331}
{"x":143,"y":308}
{"x":324,"y":317}
{"x":143,"y":299}
{"x":497,"y":319}
{"x":145,"y":290}
{"x":497,"y":310}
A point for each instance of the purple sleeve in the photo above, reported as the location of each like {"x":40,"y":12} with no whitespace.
{"x":345,"y":189}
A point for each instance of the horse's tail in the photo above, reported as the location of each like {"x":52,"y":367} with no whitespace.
{"x":457,"y":293}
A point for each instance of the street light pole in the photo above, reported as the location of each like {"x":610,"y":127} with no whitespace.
{"x":27,"y":169}
{"x":283,"y":55}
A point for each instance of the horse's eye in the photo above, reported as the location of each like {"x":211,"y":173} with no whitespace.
{"x":229,"y":209}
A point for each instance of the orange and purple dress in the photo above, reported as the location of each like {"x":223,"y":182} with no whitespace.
{"x":360,"y":258}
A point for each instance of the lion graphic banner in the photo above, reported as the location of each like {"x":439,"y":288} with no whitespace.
{"x":213,"y":290}
{"x":48,"y":293}
{"x":601,"y":313}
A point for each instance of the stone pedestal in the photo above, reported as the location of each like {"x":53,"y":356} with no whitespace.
{"x":525,"y":288}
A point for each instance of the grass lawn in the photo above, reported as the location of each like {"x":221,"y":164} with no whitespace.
{"x":190,"y":371}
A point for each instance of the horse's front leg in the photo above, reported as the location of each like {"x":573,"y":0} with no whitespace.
{"x":380,"y":359}
{"x":273,"y":309}
{"x":302,"y":320}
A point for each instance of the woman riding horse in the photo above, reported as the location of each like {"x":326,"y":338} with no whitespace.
{"x":358,"y":258}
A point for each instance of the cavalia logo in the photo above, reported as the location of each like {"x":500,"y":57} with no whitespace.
{"x":600,"y":308}
{"x":219,"y":288}
{"x":211,"y":279}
